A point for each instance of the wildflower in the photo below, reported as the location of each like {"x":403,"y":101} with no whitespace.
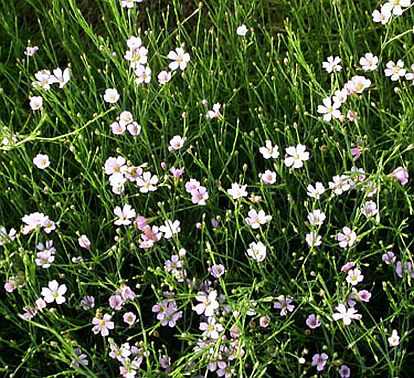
{"x":340,"y":96}
{"x":354,"y":277}
{"x":352,"y":116}
{"x":346,"y":238}
{"x":134,"y":128}
{"x":44,"y":79}
{"x":211,"y":329}
{"x":41,"y":161}
{"x":179,"y":59}
{"x":268,"y":177}
{"x":404,"y":267}
{"x":176,"y":143}
{"x":129,"y":318}
{"x":124,"y":215}
{"x":316,"y":217}
{"x":199,"y":196}
{"x":208,"y":303}
{"x":329,"y":110}
{"x":264,"y":321}
{"x":256,"y":219}
{"x":36,"y":102}
{"x":346,"y":314}
{"x":217,"y":270}
{"x":394,"y":339}
{"x":269,"y":151}
{"x":54,"y":292}
{"x":382,"y":15}
{"x":237,"y":191}
{"x":340,"y":184}
{"x":147,"y":183}
{"x":295,"y":156}
{"x":400,"y":174}
{"x":369,"y":209}
{"x":242,"y":30}
{"x":369,"y":62}
{"x":61,"y":77}
{"x":344,"y":371}
{"x":395,"y":70}
{"x":396,"y":6}
{"x":115,"y":165}
{"x":257,"y":251}
{"x":315,"y":191}
{"x":319,"y":360}
{"x":31,"y":50}
{"x":215,"y":112}
{"x":102,"y":325}
{"x":81,"y":358}
{"x":167,"y":313}
{"x":117,"y":128}
{"x":313,"y":321}
{"x":332,"y":64}
{"x":35,"y":221}
{"x":313,"y":239}
{"x":87,"y":302}
{"x":389,"y":258}
{"x":284,"y":304}
{"x":346,"y":267}
{"x":143,"y":74}
{"x":164,"y":77}
{"x":170,"y":228}
{"x":129,"y":3}
{"x":46,"y":254}
{"x":111,"y":95}
{"x":364,"y":295}
{"x":84,"y":242}
{"x":357,"y":84}
{"x":116,"y":302}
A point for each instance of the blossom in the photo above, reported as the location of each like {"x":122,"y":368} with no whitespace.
{"x":134,"y":128}
{"x":269,"y":151}
{"x":129,"y":318}
{"x":396,"y":6}
{"x":87,"y":302}
{"x":124,"y":215}
{"x":313,"y":239}
{"x":257,"y":251}
{"x":129,"y":4}
{"x":54,"y":292}
{"x":199,"y":196}
{"x":31,"y":50}
{"x":143,"y":74}
{"x":346,"y":314}
{"x":84,"y":242}
{"x":394,"y":339}
{"x":268,"y":177}
{"x":242,"y":30}
{"x":344,"y":371}
{"x":369,"y":62}
{"x":319,"y":360}
{"x":46,"y":254}
{"x":147,"y":182}
{"x":61,"y":77}
{"x":340,"y":96}
{"x":382,"y":15}
{"x":340,"y":184}
{"x":354,"y":277}
{"x":332,"y":64}
{"x":284,"y":304}
{"x":369,"y":209}
{"x":316,"y":217}
{"x":237,"y":191}
{"x":208,"y":303}
{"x":315,"y":191}
{"x":116,"y":302}
{"x":217,"y":270}
{"x":176,"y":143}
{"x":211,"y":328}
{"x":295,"y":156}
{"x":264,"y":321}
{"x":400,"y":174}
{"x":389,"y":258}
{"x":164,"y":77}
{"x":44,"y":79}
{"x":111,"y":95}
{"x":329,"y":109}
{"x":102,"y":325}
{"x":36,"y":102}
{"x":81,"y":358}
{"x":117,"y":128}
{"x":346,"y":238}
{"x":35,"y":221}
{"x":179,"y":59}
{"x":170,"y":228}
{"x":115,"y":165}
{"x":346,"y":267}
{"x":313,"y":321}
{"x":41,"y":161}
{"x":215,"y":112}
{"x":256,"y":219}
{"x":395,"y":70}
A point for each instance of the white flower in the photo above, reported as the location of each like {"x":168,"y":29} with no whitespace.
{"x":315,"y":191}
{"x":313,"y":239}
{"x":117,"y":128}
{"x":329,"y":110}
{"x":369,"y":209}
{"x":176,"y":143}
{"x":268,"y":177}
{"x":357,"y":84}
{"x":147,"y":182}
{"x":369,"y":62}
{"x":269,"y":151}
{"x":354,"y":277}
{"x":237,"y":191}
{"x":61,"y":77}
{"x":164,"y":77}
{"x":179,"y":59}
{"x":396,"y":6}
{"x":84,"y":241}
{"x":256,"y":219}
{"x":126,"y":118}
{"x":41,"y":161}
{"x":31,"y":50}
{"x":340,"y":96}
{"x":395,"y":70}
{"x":257,"y":251}
{"x":340,"y":184}
{"x":346,"y":238}
{"x":242,"y":30}
{"x":134,"y":42}
{"x":54,"y":292}
{"x":124,"y":215}
{"x":394,"y":339}
{"x":316,"y":217}
{"x":215,"y":112}
{"x":143,"y":74}
{"x":208,"y":303}
{"x":382,"y":16}
{"x":111,"y":95}
{"x":295,"y":156}
{"x":332,"y":64}
{"x":347,"y":315}
{"x":170,"y":228}
{"x":36,"y":102}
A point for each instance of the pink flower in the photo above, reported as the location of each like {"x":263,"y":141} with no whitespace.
{"x":319,"y":360}
{"x":41,"y":161}
{"x":147,"y":182}
{"x":313,"y":321}
{"x":116,"y":302}
{"x":129,"y":318}
{"x":400,"y":174}
{"x":84,"y":242}
{"x":346,"y":238}
{"x":284,"y":304}
{"x":102,"y":325}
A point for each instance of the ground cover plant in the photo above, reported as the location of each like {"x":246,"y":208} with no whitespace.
{"x":206,"y":189}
